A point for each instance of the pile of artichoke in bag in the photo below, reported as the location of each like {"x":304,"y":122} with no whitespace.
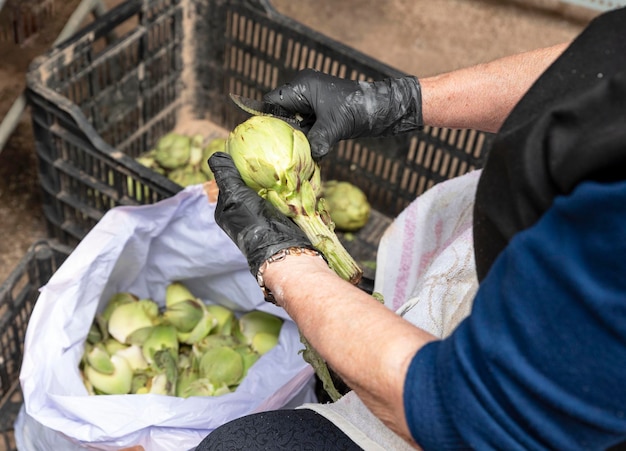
{"x":187,"y":348}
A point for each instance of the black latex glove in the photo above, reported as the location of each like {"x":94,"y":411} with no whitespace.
{"x":255,"y":225}
{"x":350,"y":109}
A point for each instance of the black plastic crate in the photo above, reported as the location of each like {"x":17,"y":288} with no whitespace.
{"x":96,"y":105}
{"x":18,"y":295}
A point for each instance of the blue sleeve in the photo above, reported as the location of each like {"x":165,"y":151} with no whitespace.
{"x":539,"y":363}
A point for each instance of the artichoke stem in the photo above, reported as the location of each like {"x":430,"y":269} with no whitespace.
{"x":325,"y":241}
{"x":311,"y":356}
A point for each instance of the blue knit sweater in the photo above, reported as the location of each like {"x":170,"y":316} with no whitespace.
{"x":540,"y":362}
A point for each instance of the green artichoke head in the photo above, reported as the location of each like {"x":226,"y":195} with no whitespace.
{"x":348,"y":206}
{"x":215,"y":145}
{"x":221,"y":365}
{"x":186,"y":176}
{"x":173,"y":150}
{"x":272,"y":156}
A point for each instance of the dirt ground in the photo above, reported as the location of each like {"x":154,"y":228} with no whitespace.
{"x":421,"y":37}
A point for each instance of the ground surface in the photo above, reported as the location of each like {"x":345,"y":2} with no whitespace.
{"x":422,"y":37}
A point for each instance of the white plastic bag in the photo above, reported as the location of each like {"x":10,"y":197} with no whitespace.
{"x":141,"y":250}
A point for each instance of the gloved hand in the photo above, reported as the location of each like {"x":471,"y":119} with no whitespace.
{"x":350,"y":109}
{"x":255,"y":225}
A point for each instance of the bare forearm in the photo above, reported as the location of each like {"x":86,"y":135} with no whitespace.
{"x":481,"y":97}
{"x":369,"y":346}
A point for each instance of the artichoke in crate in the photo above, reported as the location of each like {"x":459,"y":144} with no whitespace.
{"x":347,"y":205}
{"x":173,"y":151}
{"x":148,"y":160}
{"x":216,"y":145}
{"x":187,"y":176}
{"x":190,"y":173}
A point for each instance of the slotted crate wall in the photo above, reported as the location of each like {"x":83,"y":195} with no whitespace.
{"x":96,"y":106}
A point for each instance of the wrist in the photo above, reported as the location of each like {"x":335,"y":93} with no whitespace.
{"x":403,"y":98}
{"x":410,"y":89}
{"x":272,"y":266}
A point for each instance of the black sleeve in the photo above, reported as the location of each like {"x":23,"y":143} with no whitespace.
{"x":569,"y":127}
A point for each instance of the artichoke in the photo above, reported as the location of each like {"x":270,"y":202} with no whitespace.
{"x":148,"y":160}
{"x":216,"y":145}
{"x":191,"y":173}
{"x":117,"y":382}
{"x":173,"y":151}
{"x":195,"y":150}
{"x":275,"y":160}
{"x":162,"y":337}
{"x":181,"y":158}
{"x":221,"y":366}
{"x":347,"y":205}
{"x":186,"y":176}
{"x":128,"y":318}
{"x":256,"y":322}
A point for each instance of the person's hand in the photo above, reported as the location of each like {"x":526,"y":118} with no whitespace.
{"x":350,"y":109}
{"x":255,"y":226}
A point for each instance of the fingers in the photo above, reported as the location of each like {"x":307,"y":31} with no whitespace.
{"x":290,"y":98}
{"x":319,"y":141}
{"x":296,"y":96}
{"x":226,"y":174}
{"x":315,"y":95}
{"x":233,"y":191}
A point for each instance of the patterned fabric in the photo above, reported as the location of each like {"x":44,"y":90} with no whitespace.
{"x":427,"y":247}
{"x":300,"y":429}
